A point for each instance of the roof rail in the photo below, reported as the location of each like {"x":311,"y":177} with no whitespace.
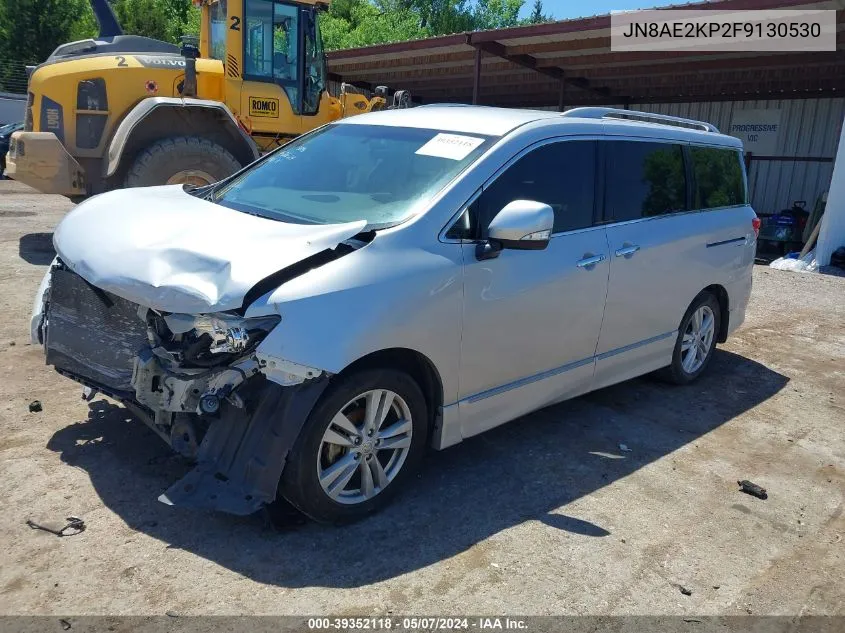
{"x":645,"y":117}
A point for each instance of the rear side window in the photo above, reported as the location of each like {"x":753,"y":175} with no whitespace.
{"x":644,"y":179}
{"x":561,"y":175}
{"x":718,"y":177}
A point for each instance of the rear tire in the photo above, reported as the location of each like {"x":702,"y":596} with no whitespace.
{"x":696,"y":340}
{"x":181,"y":159}
{"x":337,"y":472}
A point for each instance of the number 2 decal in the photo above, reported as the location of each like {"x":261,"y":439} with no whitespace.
{"x":236,"y":23}
{"x":121,"y":61}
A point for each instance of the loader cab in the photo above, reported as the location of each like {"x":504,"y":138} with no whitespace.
{"x":273,"y":46}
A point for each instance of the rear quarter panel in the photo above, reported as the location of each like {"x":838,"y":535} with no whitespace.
{"x":739,"y":284}
{"x":713,"y":247}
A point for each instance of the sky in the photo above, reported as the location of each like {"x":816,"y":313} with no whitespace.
{"x":565,"y":9}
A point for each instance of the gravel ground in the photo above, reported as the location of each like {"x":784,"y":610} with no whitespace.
{"x":545,"y":515}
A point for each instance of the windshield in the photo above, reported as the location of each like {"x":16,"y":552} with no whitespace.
{"x":348,"y":172}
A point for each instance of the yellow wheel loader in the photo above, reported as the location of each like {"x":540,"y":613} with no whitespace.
{"x":124,"y":110}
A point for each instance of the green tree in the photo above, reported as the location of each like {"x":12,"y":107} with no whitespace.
{"x":351,"y":23}
{"x":443,"y":16}
{"x":183,"y":18}
{"x":143,"y":17}
{"x":86,"y":26}
{"x":32,"y":29}
{"x":165,"y":20}
{"x":537,"y":16}
{"x":495,"y":14}
{"x":191,"y":25}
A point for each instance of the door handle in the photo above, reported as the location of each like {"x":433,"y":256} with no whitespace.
{"x":627,"y":251}
{"x":589,"y":261}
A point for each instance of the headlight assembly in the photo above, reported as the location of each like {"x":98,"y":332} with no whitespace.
{"x":203,"y":337}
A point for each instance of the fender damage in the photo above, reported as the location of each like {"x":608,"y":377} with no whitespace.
{"x":121,"y":317}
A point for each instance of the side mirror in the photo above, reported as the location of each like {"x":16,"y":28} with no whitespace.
{"x":520,"y":225}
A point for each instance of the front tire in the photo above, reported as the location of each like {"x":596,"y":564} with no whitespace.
{"x":359,"y":446}
{"x":696,"y":340}
{"x":181,"y":160}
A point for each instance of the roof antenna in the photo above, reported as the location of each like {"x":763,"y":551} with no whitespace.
{"x":109,"y":26}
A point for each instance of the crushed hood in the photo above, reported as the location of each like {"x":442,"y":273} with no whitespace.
{"x":168,"y":250}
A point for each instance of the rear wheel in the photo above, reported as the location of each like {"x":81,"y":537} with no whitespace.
{"x":696,"y":340}
{"x":358,"y":447}
{"x":181,"y":160}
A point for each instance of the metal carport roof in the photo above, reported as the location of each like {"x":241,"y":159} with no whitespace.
{"x":571,"y":63}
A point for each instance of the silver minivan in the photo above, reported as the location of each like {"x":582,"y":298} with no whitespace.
{"x":305,"y":329}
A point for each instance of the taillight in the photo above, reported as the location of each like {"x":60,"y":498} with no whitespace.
{"x":755,"y":224}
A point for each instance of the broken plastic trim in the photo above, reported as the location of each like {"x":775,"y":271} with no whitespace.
{"x":285,"y":372}
{"x":242,"y":455}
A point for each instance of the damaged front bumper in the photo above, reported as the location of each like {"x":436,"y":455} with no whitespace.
{"x":200,"y":382}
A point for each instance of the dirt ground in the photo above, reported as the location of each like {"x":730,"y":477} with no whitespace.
{"x":546,"y":515}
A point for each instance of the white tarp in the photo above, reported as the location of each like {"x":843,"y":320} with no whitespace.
{"x":832,"y":233}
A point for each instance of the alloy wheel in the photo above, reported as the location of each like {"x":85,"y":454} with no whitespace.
{"x":364,"y":446}
{"x":698,"y":339}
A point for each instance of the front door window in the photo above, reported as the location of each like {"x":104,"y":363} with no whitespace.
{"x":217,"y":30}
{"x":315,"y":66}
{"x":272,"y":45}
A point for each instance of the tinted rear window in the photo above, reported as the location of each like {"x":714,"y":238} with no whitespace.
{"x":718,"y":177}
{"x":644,"y":179}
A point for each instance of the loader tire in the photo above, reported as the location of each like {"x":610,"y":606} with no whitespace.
{"x":180,"y":160}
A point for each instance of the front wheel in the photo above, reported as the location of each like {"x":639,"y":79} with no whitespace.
{"x":360,"y":444}
{"x":696,"y":340}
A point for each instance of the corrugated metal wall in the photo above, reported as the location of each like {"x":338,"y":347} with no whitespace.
{"x":810,"y":127}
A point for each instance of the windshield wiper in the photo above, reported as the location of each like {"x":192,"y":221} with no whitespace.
{"x":198,"y":191}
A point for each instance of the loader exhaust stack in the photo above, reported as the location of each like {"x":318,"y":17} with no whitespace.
{"x":190,"y":51}
{"x":109,"y":26}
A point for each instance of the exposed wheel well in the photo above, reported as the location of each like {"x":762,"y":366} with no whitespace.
{"x":416,"y":365}
{"x":724,"y":313}
{"x":165,"y":121}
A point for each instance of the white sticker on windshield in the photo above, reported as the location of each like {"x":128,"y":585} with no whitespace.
{"x":454,"y":146}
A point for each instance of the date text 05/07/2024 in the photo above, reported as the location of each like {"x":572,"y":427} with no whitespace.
{"x":410,"y":623}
